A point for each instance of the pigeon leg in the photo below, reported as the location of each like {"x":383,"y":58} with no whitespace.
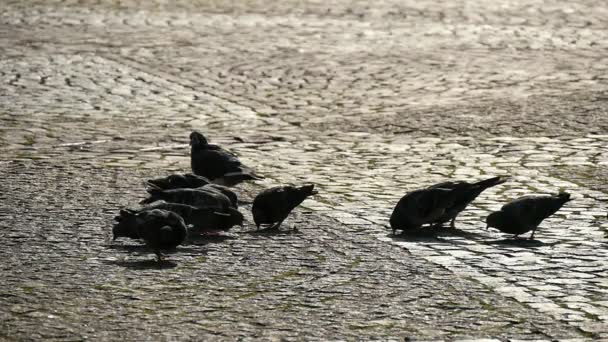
{"x":452,"y":225}
{"x":159,"y":256}
{"x":277,"y":225}
{"x":394,"y":231}
{"x":532,"y":236}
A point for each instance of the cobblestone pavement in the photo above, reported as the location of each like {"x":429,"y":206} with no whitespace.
{"x":368,"y":100}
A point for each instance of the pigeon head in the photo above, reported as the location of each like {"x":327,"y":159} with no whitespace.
{"x":123,"y":229}
{"x":197,"y":139}
{"x":495,"y":219}
{"x":236,"y":218}
{"x":125,"y":225}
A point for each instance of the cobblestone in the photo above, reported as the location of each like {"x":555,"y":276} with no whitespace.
{"x":368,"y":101}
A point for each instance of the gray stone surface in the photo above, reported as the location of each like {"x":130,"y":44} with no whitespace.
{"x":367,"y":100}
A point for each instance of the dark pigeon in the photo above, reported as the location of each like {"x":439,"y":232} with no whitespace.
{"x":466,"y":193}
{"x":421,"y":207}
{"x":160,"y":229}
{"x":203,"y":220}
{"x":272,"y":206}
{"x":234,"y":200}
{"x":178,"y":181}
{"x":126,"y":224}
{"x":199,"y":197}
{"x":215,"y":163}
{"x":526,"y":213}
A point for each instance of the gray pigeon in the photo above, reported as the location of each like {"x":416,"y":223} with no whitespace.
{"x":420,"y":207}
{"x":160,"y":229}
{"x":526,"y":213}
{"x":217,"y":164}
{"x":466,"y":193}
{"x":178,"y":181}
{"x":198,"y":197}
{"x":272,"y":206}
{"x":203,"y":220}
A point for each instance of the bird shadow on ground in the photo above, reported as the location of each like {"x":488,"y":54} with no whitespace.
{"x":202,"y":240}
{"x":519,"y":242}
{"x":433,"y":234}
{"x":273,"y":232}
{"x":150,"y":264}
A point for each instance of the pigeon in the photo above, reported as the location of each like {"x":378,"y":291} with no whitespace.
{"x":234,"y":200}
{"x":215,"y":163}
{"x":526,"y":213}
{"x":198,"y":197}
{"x":160,"y":229}
{"x":178,"y":181}
{"x":466,"y":193}
{"x":202,"y":219}
{"x":273,"y":205}
{"x":419,"y":207}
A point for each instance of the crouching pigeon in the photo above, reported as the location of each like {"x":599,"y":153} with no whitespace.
{"x":199,"y":197}
{"x":178,"y":181}
{"x":420,"y":207}
{"x":272,"y":206}
{"x":202,"y":220}
{"x":160,"y":229}
{"x":465,"y":193}
{"x":215,"y":163}
{"x":526,"y":213}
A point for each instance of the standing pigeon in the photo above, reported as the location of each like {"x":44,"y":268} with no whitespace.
{"x":419,"y":207}
{"x":272,"y":206}
{"x":526,"y":213}
{"x":160,"y":229}
{"x":198,"y":197}
{"x":177,"y":181}
{"x":465,"y":194}
{"x":203,"y":220}
{"x":215,"y":163}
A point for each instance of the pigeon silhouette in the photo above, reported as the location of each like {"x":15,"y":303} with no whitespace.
{"x":160,"y":229}
{"x":215,"y":163}
{"x":234,"y":200}
{"x":526,"y":213}
{"x":199,"y":197}
{"x":465,"y":194}
{"x":202,"y":220}
{"x":178,"y":181}
{"x":272,"y":206}
{"x":420,"y":207}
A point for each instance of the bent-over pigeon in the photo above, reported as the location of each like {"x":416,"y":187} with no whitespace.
{"x":419,"y":207}
{"x":160,"y":229}
{"x":526,"y":213}
{"x":272,"y":206}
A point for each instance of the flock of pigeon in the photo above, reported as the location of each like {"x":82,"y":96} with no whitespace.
{"x":202,"y":203}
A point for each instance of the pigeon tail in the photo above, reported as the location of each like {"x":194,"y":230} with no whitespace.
{"x":307,"y":190}
{"x":488,"y":183}
{"x":564,"y":197}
